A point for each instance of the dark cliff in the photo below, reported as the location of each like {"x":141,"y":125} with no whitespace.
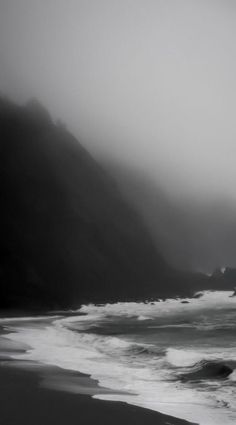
{"x":67,"y":236}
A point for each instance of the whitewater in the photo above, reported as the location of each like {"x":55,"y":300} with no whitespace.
{"x":176,"y":356}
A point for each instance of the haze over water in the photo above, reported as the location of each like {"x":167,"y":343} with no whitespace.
{"x":147,"y":86}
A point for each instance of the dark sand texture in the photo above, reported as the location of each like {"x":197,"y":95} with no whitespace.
{"x":24,"y":402}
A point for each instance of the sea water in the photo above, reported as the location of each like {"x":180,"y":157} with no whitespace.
{"x":147,"y":353}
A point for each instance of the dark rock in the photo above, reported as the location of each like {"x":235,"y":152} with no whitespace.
{"x":208,"y":370}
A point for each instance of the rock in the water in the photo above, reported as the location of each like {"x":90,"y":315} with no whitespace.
{"x":208,"y":370}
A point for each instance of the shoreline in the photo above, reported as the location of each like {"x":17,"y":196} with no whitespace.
{"x":24,"y":401}
{"x":36,"y":394}
{"x":67,"y":366}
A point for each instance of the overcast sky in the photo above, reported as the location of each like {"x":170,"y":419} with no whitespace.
{"x":148,"y":81}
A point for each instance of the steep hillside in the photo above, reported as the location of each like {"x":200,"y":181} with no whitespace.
{"x":192,"y":234}
{"x":67,"y":236}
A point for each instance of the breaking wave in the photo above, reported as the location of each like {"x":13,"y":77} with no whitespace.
{"x":167,"y":356}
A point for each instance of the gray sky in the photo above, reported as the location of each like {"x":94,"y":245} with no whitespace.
{"x":148,"y":81}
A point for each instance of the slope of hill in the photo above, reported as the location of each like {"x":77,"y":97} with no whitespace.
{"x":67,"y":236}
{"x":192,"y":234}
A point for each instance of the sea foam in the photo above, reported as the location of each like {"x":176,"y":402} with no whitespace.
{"x":147,"y":373}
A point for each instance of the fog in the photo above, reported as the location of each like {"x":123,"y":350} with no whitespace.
{"x":146,"y":82}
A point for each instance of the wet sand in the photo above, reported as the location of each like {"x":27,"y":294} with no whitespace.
{"x":24,"y":401}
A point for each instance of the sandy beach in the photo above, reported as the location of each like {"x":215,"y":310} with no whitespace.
{"x":23,"y":401}
{"x":36,"y":394}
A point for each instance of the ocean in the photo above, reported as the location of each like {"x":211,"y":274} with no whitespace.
{"x":176,"y":356}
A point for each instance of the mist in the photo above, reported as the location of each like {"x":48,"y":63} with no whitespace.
{"x":118,"y":212}
{"x":149,"y":83}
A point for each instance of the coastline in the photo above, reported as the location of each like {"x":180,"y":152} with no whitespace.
{"x":59,"y":360}
{"x":23,"y":401}
{"x":31,"y":393}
